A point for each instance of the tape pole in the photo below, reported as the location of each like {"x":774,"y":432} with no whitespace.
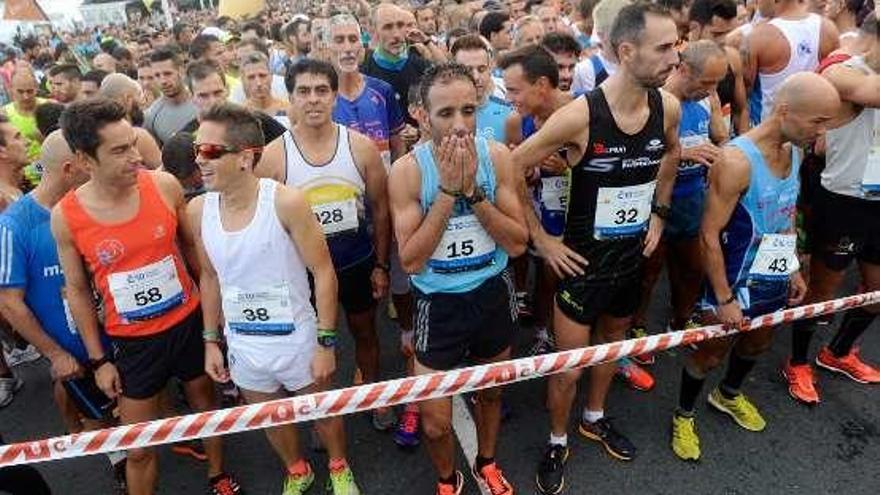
{"x":349,"y":400}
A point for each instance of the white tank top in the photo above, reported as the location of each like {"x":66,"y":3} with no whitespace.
{"x":852,"y":151}
{"x":263,"y":280}
{"x":803,"y":41}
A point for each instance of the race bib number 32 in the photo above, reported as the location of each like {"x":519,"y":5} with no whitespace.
{"x":623,"y":211}
{"x":146,"y":292}
{"x":776,"y":258}
{"x":465,"y":246}
{"x":267,"y":311}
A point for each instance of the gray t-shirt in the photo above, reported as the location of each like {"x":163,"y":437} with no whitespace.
{"x":164,"y":118}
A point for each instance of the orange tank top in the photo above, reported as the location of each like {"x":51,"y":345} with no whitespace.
{"x":136,"y":265}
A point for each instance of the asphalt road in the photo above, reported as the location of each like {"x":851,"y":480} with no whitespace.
{"x":832,"y":448}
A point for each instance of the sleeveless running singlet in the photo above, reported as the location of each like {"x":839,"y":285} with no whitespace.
{"x":803,"y":41}
{"x":337,"y":193}
{"x":266,"y":298}
{"x":550,"y":194}
{"x":693,"y":131}
{"x":467,"y":255}
{"x":612,"y":188}
{"x":136,"y":266}
{"x":758,"y":241}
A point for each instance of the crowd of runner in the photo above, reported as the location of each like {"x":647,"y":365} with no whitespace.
{"x":191,"y":204}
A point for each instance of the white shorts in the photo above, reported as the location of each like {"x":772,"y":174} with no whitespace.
{"x":268,"y":369}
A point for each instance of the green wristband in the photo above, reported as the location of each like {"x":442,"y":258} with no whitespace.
{"x":211,"y":336}
{"x":326,"y":332}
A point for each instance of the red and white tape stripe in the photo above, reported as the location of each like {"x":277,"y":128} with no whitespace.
{"x":370,"y":396}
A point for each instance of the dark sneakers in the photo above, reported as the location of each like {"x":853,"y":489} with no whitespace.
{"x":615,"y":443}
{"x":551,"y":473}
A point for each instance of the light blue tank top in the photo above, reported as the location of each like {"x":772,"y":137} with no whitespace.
{"x":466,"y":255}
{"x":766,"y":207}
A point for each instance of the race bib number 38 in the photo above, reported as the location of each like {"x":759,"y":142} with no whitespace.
{"x":336,"y":217}
{"x":776,"y":258}
{"x":146,"y":292}
{"x":623,"y":211}
{"x":267,"y":311}
{"x":871,"y":178}
{"x":465,"y":246}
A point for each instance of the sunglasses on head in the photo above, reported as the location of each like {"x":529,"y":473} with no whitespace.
{"x":210,"y":151}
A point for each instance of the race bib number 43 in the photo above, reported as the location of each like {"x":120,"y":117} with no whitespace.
{"x":146,"y":292}
{"x":336,"y":217}
{"x":623,"y":211}
{"x":465,"y":246}
{"x":776,"y":258}
{"x":267,"y":311}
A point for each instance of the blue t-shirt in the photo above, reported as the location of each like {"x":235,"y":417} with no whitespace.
{"x":491,"y":117}
{"x":375,"y":113}
{"x":29,"y":261}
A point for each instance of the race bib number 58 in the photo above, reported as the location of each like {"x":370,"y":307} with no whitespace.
{"x":146,"y":292}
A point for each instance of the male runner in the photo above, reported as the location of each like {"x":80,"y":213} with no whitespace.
{"x":124,"y":233}
{"x":844,"y":224}
{"x":621,"y":142}
{"x":344,"y":181}
{"x":174,"y":109}
{"x":472,"y":52}
{"x":127,"y":92}
{"x":255,"y":240}
{"x":32,"y":295}
{"x":457,"y":218}
{"x":64,"y":82}
{"x":749,"y":254}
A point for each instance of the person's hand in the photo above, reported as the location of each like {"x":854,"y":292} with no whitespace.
{"x":797,"y":289}
{"x":406,"y":343}
{"x":323,"y":365}
{"x":730,"y":315}
{"x":379,"y":280}
{"x":416,"y":36}
{"x":409,"y":135}
{"x":214,"y":364}
{"x":554,"y":164}
{"x":564,"y":261}
{"x":64,"y":366}
{"x":107,"y":378}
{"x":706,"y":154}
{"x":467,"y":159}
{"x":449,"y":160}
{"x":655,"y":233}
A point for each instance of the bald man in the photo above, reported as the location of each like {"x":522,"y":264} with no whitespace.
{"x":32,"y":294}
{"x":127,"y":92}
{"x":104,"y":62}
{"x":21,"y":110}
{"x":748,"y":242}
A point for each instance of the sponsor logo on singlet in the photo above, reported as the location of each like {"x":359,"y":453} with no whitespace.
{"x":108,"y":251}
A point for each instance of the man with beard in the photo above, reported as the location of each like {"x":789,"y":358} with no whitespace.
{"x":174,"y":109}
{"x":64,"y":83}
{"x":296,"y":39}
{"x":622,"y":148}
{"x":128,"y":93}
{"x":749,"y":254}
{"x":565,"y":50}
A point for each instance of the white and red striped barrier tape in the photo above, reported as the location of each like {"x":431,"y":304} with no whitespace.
{"x":389,"y":393}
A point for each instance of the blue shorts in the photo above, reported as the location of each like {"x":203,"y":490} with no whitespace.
{"x":756,"y":297}
{"x":685,"y":217}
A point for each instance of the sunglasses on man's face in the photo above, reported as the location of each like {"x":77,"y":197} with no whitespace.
{"x":210,"y":151}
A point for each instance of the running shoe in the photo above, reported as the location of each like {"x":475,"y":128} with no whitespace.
{"x":801,"y":382}
{"x":225,"y":484}
{"x":740,"y":409}
{"x":551,"y":473}
{"x":192,"y":448}
{"x":615,"y":443}
{"x":492,"y":480}
{"x":850,"y":365}
{"x":451,"y":488}
{"x":543,"y":342}
{"x":685,"y":441}
{"x":341,"y":482}
{"x":634,"y":375}
{"x":407,"y":433}
{"x":298,"y":484}
{"x":8,"y":388}
{"x":20,"y":355}
{"x":638,"y":332}
{"x":384,"y":419}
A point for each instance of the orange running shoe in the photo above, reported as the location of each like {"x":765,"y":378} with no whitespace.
{"x":451,"y":488}
{"x":850,"y":365}
{"x":492,"y":480}
{"x":635,"y":376}
{"x":801,"y":383}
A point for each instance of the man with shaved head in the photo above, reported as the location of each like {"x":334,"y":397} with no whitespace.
{"x":128,"y":93}
{"x":32,"y":296}
{"x":21,"y":110}
{"x":748,"y":242}
{"x":104,"y":62}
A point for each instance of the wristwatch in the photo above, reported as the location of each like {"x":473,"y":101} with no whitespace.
{"x":661,"y":211}
{"x":449,"y":192}
{"x":94,"y":364}
{"x":478,"y":196}
{"x":327,"y":339}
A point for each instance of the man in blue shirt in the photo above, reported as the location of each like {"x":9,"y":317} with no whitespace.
{"x":472,"y":52}
{"x":32,"y":291}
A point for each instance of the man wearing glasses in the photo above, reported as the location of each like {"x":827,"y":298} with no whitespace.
{"x":124,"y":232}
{"x":255,"y":239}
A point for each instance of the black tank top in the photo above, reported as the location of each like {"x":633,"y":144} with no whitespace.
{"x":726,"y":87}
{"x":613,"y":159}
